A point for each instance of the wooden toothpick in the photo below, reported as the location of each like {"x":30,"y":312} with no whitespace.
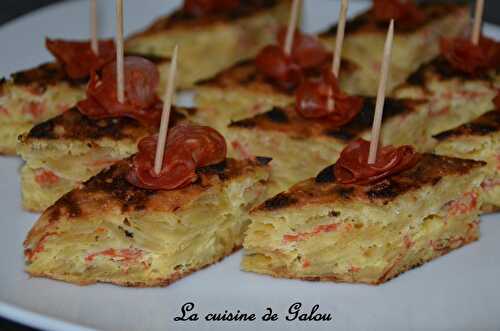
{"x":120,"y":88}
{"x":339,"y":41}
{"x":478,"y":21}
{"x":379,"y":108}
{"x":165,"y":116}
{"x":94,"y":43}
{"x":292,"y":26}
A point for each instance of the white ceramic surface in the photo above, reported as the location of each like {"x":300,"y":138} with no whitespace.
{"x":457,"y":292}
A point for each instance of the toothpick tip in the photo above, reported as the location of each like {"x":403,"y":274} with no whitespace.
{"x":168,"y":99}
{"x":379,"y":108}
{"x":478,"y":22}
{"x":292,"y":26}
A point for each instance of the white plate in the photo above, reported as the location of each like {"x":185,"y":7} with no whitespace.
{"x":457,"y":292}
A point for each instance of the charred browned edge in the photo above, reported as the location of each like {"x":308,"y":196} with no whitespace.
{"x":439,"y":68}
{"x":429,"y":170}
{"x":484,"y":125}
{"x":52,"y":73}
{"x":287,"y":120}
{"x":43,"y":76}
{"x":488,"y":208}
{"x":80,"y":127}
{"x":365,"y":22}
{"x":263,"y":160}
{"x":3,"y":81}
{"x":190,"y":111}
{"x":181,"y":19}
{"x":68,"y":206}
{"x":326,"y":175}
{"x":113,"y":183}
{"x":245,"y":74}
{"x":364,"y":120}
{"x":279,"y":201}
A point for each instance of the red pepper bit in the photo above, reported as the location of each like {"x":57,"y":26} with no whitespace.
{"x":306,"y":235}
{"x":40,"y":246}
{"x":188,"y":148}
{"x":313,"y":99}
{"x":46,"y":178}
{"x":200,"y":8}
{"x":353,"y":168}
{"x":405,"y":12}
{"x":35,"y":109}
{"x":122,"y":255}
{"x":472,"y":59}
{"x":463,"y":205}
{"x":353,"y":269}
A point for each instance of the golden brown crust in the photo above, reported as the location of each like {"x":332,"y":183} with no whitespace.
{"x":158,"y":283}
{"x":286,"y":120}
{"x":76,"y":126}
{"x":366,"y":23}
{"x":44,"y":75}
{"x":484,"y":125}
{"x":429,"y":170}
{"x":111,"y":188}
{"x":245,"y":75}
{"x":182,"y":20}
{"x":52,"y":73}
{"x":440,"y":70}
{"x":487,"y":208}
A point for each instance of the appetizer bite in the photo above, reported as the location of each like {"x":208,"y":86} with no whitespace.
{"x":361,"y":223}
{"x":419,"y":28}
{"x":271,"y":79}
{"x":143,"y":222}
{"x":460,"y":83}
{"x":478,"y":140}
{"x":121,"y":107}
{"x":212,"y":35}
{"x":69,"y":149}
{"x":35,"y":95}
{"x":304,"y":140}
{"x":307,"y":136}
{"x":375,"y":213}
{"x":133,"y":226}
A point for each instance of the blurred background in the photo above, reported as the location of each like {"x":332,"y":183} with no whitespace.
{"x":10,"y":9}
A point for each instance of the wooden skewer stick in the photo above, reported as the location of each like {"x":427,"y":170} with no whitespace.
{"x":292,"y":26}
{"x":165,"y":116}
{"x":339,"y":42}
{"x":478,"y":21}
{"x":379,"y":107}
{"x":94,"y":43}
{"x":120,"y":88}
